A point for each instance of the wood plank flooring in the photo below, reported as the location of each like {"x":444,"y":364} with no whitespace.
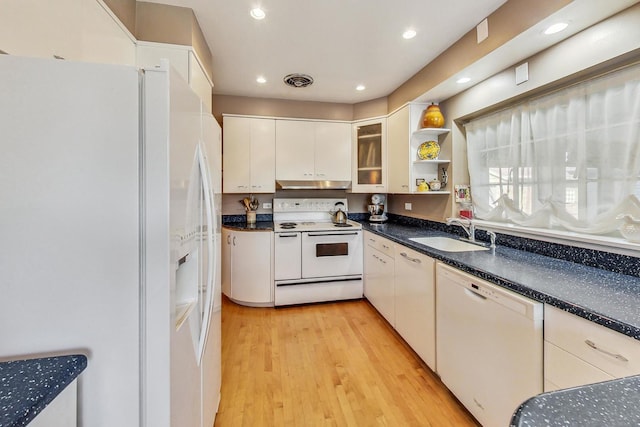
{"x":335,"y":364}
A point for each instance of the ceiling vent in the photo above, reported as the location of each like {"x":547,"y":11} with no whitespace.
{"x":298,"y":80}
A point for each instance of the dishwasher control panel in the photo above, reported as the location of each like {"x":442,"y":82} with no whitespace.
{"x":483,"y":289}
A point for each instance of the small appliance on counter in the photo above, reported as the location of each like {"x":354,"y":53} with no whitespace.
{"x":376,"y":208}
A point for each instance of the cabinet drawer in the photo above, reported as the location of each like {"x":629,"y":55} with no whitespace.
{"x":610,"y":351}
{"x":380,"y":243}
{"x":564,"y":370}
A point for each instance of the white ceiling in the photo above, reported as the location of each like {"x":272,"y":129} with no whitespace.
{"x":340,"y":43}
{"x":344,"y":43}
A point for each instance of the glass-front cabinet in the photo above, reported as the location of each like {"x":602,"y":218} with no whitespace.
{"x":370,"y":156}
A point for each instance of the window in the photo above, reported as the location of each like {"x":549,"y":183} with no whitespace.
{"x":569,"y":160}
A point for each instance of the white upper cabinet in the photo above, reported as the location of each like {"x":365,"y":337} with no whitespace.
{"x":333,"y":151}
{"x":404,"y":137}
{"x":313,"y":151}
{"x":398,"y":135}
{"x":295,"y":150}
{"x":183,"y":60}
{"x":105,"y":39}
{"x":369,"y":170}
{"x":78,"y":30}
{"x":41,"y":28}
{"x":249,"y":155}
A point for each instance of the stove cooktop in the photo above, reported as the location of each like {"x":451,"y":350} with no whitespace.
{"x":314,"y":226}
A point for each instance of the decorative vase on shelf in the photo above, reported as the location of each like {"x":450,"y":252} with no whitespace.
{"x":433,"y":118}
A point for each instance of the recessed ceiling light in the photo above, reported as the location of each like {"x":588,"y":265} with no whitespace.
{"x":261,"y":80}
{"x":257,"y":13}
{"x":360,"y":87}
{"x":556,"y":28}
{"x":463,"y":80}
{"x":409,"y":34}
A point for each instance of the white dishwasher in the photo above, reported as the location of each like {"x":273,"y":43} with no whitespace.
{"x":489,"y":345}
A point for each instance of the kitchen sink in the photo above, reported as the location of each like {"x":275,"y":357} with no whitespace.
{"x":447,"y":244}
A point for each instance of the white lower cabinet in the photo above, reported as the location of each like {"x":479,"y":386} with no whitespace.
{"x":578,"y":351}
{"x":62,"y":411}
{"x":247,"y":267}
{"x":379,"y":286}
{"x":415,"y":302}
{"x":399,"y":283}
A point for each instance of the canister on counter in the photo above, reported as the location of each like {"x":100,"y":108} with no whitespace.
{"x":466,"y":210}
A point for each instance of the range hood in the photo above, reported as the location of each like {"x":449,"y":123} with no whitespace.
{"x":312,"y":185}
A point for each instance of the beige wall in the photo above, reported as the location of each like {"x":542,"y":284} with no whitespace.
{"x":357,"y":203}
{"x":511,"y":19}
{"x":224,"y":104}
{"x":125,"y":10}
{"x":374,"y":108}
{"x":173,"y":25}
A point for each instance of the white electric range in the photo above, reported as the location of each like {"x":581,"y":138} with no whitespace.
{"x":315,"y":259}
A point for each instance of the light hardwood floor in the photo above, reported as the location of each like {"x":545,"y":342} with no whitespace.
{"x":336,"y":364}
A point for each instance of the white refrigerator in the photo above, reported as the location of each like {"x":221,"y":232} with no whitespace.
{"x":110,"y":236}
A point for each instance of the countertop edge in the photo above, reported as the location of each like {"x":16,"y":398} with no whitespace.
{"x":27,"y":386}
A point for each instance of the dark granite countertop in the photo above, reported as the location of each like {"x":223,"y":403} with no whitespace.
{"x":612,"y":404}
{"x":239,"y":222}
{"x":28,"y":386}
{"x":608,"y":298}
{"x":243,"y":226}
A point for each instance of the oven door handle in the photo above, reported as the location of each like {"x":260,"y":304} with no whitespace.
{"x":332,"y":234}
{"x":288,"y":235}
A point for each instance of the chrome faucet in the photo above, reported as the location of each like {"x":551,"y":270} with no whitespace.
{"x":492,"y":238}
{"x":467,"y":226}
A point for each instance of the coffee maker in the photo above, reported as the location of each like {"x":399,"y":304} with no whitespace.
{"x":376,"y":208}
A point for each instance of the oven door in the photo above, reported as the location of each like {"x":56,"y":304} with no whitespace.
{"x":331,"y":254}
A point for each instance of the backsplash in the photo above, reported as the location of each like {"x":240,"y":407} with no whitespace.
{"x":617,"y":263}
{"x":237,"y":219}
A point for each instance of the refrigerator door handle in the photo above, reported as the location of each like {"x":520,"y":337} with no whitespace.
{"x":211,"y":227}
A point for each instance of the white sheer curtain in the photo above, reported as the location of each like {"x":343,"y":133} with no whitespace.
{"x":569,"y":160}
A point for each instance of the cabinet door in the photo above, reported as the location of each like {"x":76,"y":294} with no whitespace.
{"x":103,"y":38}
{"x":149,"y":54}
{"x":251,"y":267}
{"x":612,"y":352}
{"x":369,"y":156}
{"x":563,"y":369}
{"x":249,"y":155}
{"x":227,"y":236}
{"x":415,"y":302}
{"x":236,"y":148}
{"x":263,"y":156}
{"x":295,"y":150}
{"x":379,"y":283}
{"x":199,"y":82}
{"x":41,"y":28}
{"x":332,"y":151}
{"x":398,"y":154}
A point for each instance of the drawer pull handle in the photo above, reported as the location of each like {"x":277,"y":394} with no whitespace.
{"x":595,"y":347}
{"x":416,"y":260}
